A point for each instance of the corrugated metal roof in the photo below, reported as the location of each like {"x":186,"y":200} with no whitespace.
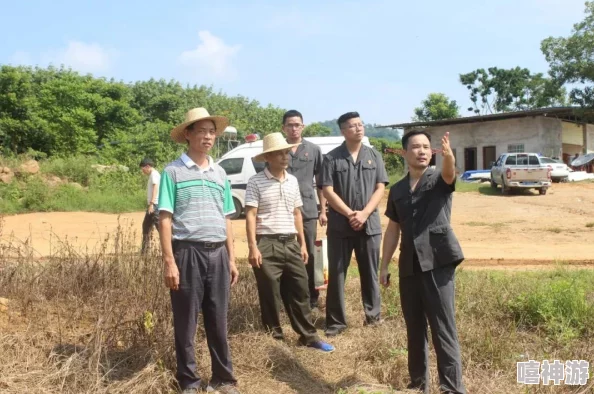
{"x":575,"y":114}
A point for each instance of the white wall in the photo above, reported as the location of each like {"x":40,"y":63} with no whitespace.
{"x":538,"y":134}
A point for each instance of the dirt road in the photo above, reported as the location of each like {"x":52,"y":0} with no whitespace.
{"x":493,"y":230}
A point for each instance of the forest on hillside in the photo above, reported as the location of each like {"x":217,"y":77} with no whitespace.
{"x":57,"y":112}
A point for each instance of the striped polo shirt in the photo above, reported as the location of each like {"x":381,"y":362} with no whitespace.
{"x":198,"y":198}
{"x":276,"y":201}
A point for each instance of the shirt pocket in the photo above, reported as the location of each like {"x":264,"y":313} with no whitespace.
{"x":444,"y":244}
{"x":302,"y":162}
{"x":369,"y":173}
{"x":341,"y":174}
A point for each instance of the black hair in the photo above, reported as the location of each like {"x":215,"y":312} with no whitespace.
{"x":410,"y":134}
{"x":146,"y":162}
{"x":292,"y":113}
{"x":346,"y":117}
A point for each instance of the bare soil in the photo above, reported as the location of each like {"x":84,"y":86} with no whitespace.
{"x":521,"y":231}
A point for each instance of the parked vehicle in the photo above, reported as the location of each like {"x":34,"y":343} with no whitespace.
{"x":559,"y":170}
{"x":520,"y":171}
{"x":239,"y":165}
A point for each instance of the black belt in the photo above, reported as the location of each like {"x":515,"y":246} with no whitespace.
{"x":201,"y":244}
{"x":278,"y":237}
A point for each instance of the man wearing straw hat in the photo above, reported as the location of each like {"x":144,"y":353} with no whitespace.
{"x":277,"y":250}
{"x":198,"y":258}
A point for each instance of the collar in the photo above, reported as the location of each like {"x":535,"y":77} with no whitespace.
{"x":347,"y":155}
{"x":190,"y":163}
{"x":428,"y":172}
{"x":270,"y":176}
{"x":299,"y":147}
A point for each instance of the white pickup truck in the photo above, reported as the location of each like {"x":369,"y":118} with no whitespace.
{"x":520,"y":171}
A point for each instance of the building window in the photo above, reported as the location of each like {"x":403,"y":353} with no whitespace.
{"x":515,"y":148}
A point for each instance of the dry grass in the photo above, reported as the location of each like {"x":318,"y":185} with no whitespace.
{"x":101,"y":323}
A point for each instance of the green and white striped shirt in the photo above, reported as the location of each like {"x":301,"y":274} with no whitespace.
{"x":199,"y":200}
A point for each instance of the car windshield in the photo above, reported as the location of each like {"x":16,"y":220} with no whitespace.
{"x":546,"y":160}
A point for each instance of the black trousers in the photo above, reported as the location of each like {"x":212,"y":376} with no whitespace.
{"x":204,"y":282}
{"x":282,"y":278}
{"x":150,"y":220}
{"x":367,"y":251}
{"x":310,"y":230}
{"x":429,"y":296}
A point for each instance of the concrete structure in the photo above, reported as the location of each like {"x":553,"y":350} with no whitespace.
{"x":477,"y":141}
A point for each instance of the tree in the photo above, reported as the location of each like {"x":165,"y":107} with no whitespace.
{"x":437,"y":106}
{"x":316,"y":130}
{"x":571,"y":61}
{"x":58,"y":112}
{"x":502,"y":90}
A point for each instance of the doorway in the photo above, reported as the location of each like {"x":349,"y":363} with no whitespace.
{"x":469,"y":159}
{"x":489,"y":156}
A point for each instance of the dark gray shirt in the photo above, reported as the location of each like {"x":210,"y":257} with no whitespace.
{"x":305,"y":164}
{"x":424,"y":217}
{"x":354,"y":183}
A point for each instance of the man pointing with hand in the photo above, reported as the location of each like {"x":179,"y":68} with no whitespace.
{"x":419,"y":208}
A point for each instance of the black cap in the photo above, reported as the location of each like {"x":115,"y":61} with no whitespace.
{"x":147,"y":162}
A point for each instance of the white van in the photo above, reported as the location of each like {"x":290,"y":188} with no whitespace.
{"x":240,"y":167}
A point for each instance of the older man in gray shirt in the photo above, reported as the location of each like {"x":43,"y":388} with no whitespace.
{"x":305,"y":163}
{"x":419,"y":208}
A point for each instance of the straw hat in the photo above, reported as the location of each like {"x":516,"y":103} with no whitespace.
{"x":193,"y":116}
{"x":273,"y":142}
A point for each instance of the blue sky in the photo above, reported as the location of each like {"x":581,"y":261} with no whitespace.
{"x":380,"y":58}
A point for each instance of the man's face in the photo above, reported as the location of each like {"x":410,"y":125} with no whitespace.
{"x":418,"y":152}
{"x":146,"y":170}
{"x":201,"y":136}
{"x":353,"y":130}
{"x":293,"y":127}
{"x":278,"y":160}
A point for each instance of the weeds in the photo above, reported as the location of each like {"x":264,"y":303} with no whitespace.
{"x":101,"y":323}
{"x":80,"y":188}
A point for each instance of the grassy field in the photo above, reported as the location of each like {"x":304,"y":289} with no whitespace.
{"x":80,"y":188}
{"x":102,"y":324}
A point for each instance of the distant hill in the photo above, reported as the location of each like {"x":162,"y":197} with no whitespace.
{"x":370,"y":130}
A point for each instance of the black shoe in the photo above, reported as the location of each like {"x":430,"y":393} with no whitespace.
{"x":313,"y":304}
{"x":278,"y":336}
{"x":333,"y":331}
{"x":373,"y":322}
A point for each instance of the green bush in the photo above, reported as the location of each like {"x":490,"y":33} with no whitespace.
{"x":36,"y":195}
{"x":394,"y":163}
{"x":558,"y":305}
{"x":113,"y":192}
{"x":76,"y":169}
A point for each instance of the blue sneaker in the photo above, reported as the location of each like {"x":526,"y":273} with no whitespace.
{"x":322,"y":346}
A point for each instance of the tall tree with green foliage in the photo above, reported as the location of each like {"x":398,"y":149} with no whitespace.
{"x":371,"y":130}
{"x":503,"y":90}
{"x":437,"y":106}
{"x":316,"y":130}
{"x":571,"y":59}
{"x":58,"y":112}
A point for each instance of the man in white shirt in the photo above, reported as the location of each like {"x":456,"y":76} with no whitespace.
{"x":151,"y":218}
{"x":277,"y":250}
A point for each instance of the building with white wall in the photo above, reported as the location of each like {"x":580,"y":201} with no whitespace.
{"x":477,"y":141}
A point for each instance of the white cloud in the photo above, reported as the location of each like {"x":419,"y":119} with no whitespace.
{"x":212,"y":58}
{"x":80,"y":56}
{"x":83,"y":57}
{"x":20,"y":58}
